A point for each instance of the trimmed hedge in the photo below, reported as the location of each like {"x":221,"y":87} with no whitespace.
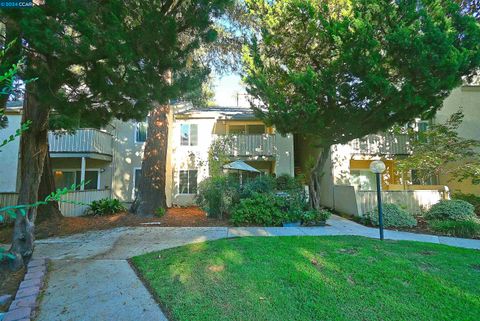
{"x":454,"y":210}
{"x":393,"y":216}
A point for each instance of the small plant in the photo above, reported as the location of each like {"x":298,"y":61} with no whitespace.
{"x":106,"y":206}
{"x":470,"y":198}
{"x":315,"y":217}
{"x":160,"y":212}
{"x":261,"y":209}
{"x":455,"y":210}
{"x":469,"y":228}
{"x":393,"y":216}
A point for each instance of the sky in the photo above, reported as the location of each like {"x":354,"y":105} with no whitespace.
{"x":226,"y":90}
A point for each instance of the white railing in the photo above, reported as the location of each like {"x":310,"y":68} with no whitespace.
{"x":85,"y":140}
{"x":251,"y":145}
{"x":381,"y":144}
{"x":415,"y":201}
{"x":67,"y":209}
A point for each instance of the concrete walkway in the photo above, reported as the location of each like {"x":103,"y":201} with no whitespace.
{"x":90,"y":278}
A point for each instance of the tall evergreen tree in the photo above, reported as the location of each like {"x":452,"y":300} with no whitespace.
{"x":338,"y":70}
{"x":97,"y":61}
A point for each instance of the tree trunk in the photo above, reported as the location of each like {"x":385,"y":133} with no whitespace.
{"x":315,"y":177}
{"x":151,"y":189}
{"x":50,"y":211}
{"x":33,"y":149}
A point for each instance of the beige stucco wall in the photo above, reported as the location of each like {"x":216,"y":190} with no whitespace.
{"x":190,"y":157}
{"x":127,"y":156}
{"x":9,"y":155}
{"x":467,"y":97}
{"x":284,"y":156}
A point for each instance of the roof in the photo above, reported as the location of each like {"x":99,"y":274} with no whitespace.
{"x":225,"y":112}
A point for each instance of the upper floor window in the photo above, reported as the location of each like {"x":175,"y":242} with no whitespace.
{"x":188,"y":134}
{"x":141,"y":130}
{"x":247,"y":129}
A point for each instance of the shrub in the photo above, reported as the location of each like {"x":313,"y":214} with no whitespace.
{"x":264,"y":209}
{"x":105,"y":206}
{"x":470,"y":198}
{"x":315,"y":217}
{"x":217,"y":195}
{"x":455,"y":210}
{"x":469,"y":228}
{"x":159,"y":212}
{"x":393,"y":216}
{"x":260,"y":184}
{"x":286,"y":182}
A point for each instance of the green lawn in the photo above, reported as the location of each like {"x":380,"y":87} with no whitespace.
{"x":314,"y":278}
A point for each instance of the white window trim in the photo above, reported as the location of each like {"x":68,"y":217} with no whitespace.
{"x":134,"y":181}
{"x":189,"y":137}
{"x":188,"y":181}
{"x":135,"y":130}
{"x":74,"y":170}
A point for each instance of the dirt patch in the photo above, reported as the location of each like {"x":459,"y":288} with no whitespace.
{"x":187,"y":216}
{"x":9,"y":282}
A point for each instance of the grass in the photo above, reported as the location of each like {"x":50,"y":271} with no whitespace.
{"x":314,"y":278}
{"x":469,"y":229}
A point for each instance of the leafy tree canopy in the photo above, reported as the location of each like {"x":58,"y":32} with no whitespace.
{"x":340,"y":69}
{"x":97,"y":60}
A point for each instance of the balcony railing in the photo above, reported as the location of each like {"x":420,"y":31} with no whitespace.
{"x":82,"y":141}
{"x":381,"y":144}
{"x":250,"y":145}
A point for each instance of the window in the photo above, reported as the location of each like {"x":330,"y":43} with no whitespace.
{"x":246,"y":129}
{"x":188,"y":182}
{"x":141,"y":130}
{"x":188,"y":134}
{"x":363,"y":179}
{"x":68,"y":178}
{"x":136,"y":180}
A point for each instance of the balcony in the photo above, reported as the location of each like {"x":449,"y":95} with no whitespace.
{"x":260,"y":145}
{"x":381,"y":144}
{"x":85,"y":142}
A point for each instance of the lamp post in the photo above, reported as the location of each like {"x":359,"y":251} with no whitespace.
{"x":378,"y":167}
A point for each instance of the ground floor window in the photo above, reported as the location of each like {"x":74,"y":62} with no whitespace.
{"x":188,"y":181}
{"x":363,"y":179}
{"x":67,"y":178}
{"x":136,"y":180}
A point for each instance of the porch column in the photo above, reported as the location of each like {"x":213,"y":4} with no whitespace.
{"x":82,"y":173}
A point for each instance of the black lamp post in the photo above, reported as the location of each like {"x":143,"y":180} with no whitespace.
{"x":378,"y":167}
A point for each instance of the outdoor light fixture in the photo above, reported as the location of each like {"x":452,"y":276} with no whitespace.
{"x":378,"y":167}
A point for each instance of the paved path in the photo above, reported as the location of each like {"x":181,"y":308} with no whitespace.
{"x":90,"y":278}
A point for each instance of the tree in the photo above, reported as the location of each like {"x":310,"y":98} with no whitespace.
{"x":338,"y":70}
{"x":217,"y":54}
{"x":96,"y":61}
{"x":441,"y":150}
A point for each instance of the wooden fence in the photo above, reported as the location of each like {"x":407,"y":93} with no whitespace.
{"x":68,"y":209}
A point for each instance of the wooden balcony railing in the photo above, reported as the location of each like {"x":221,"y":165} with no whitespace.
{"x":251,"y":145}
{"x":85,"y":140}
{"x":381,"y":144}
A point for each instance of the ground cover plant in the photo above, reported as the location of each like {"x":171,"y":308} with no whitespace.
{"x":314,"y":278}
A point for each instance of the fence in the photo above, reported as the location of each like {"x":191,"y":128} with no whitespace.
{"x":68,"y":209}
{"x":414,"y":201}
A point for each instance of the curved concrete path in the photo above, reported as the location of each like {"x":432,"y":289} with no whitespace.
{"x":90,"y":278}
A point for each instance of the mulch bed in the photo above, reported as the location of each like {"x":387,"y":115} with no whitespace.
{"x":186,"y":216}
{"x":9,"y":282}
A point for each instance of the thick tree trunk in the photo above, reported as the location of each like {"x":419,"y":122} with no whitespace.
{"x":33,"y":149}
{"x":50,"y":211}
{"x":151,"y":190}
{"x":315,"y":177}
